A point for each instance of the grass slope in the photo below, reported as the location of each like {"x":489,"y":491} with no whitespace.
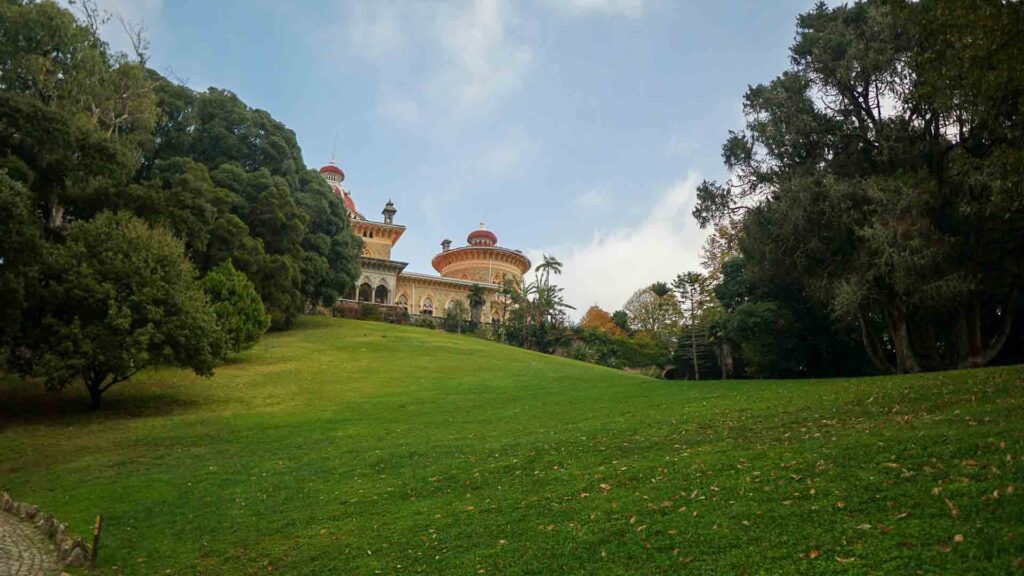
{"x":345,"y":447}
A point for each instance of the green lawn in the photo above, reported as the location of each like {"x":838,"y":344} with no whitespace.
{"x":347,"y":447}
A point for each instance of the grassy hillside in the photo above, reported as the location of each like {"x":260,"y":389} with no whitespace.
{"x":347,"y":447}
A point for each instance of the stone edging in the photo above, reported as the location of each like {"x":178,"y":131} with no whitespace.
{"x":71,"y":551}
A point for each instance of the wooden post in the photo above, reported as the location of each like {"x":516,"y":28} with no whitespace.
{"x":96,"y":541}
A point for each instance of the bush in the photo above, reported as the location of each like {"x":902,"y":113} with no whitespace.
{"x":395,"y":316}
{"x":425,"y":322}
{"x":369,"y":311}
{"x":581,"y":351}
{"x":118,"y":296}
{"x":768,"y":337}
{"x":238,"y":307}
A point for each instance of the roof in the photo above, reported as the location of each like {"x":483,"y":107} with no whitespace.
{"x":332,"y":169}
{"x":488,"y":237}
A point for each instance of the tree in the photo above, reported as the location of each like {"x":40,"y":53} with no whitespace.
{"x":549,"y":266}
{"x":476,"y":299}
{"x":621,"y":319}
{"x":769,"y":339}
{"x":597,"y":319}
{"x":879,"y":170}
{"x":660,"y":289}
{"x":240,"y":314}
{"x":719,"y":247}
{"x":115,"y":298}
{"x":74,"y":118}
{"x":21,"y":245}
{"x":455,"y":315}
{"x":656,"y":316}
{"x":692,"y":291}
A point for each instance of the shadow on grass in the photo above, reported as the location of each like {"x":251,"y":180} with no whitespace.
{"x":26,"y":403}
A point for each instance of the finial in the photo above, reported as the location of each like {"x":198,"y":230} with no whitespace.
{"x":334,"y":147}
{"x":482,"y":227}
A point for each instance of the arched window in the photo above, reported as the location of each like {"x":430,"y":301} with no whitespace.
{"x":365,"y":292}
{"x":403,"y":301}
{"x":428,"y":307}
{"x":380,"y":295}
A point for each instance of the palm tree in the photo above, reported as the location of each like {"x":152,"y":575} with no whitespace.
{"x":476,"y":301}
{"x":549,"y":265}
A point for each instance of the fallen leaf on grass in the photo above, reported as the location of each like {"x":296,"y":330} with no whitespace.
{"x":945,"y":549}
{"x":953,"y":510}
{"x":841,"y":504}
{"x":844,"y":560}
{"x":958,"y":538}
{"x":813,"y":554}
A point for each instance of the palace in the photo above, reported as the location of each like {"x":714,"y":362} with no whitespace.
{"x":384,"y":281}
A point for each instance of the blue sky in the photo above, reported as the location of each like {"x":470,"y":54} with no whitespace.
{"x":578,"y":128}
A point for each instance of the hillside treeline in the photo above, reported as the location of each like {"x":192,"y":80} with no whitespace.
{"x":876,"y":195}
{"x":873,"y":219}
{"x":108,"y":172}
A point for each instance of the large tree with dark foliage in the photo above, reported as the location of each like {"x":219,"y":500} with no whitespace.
{"x":883,"y":174}
{"x":87,"y":131}
{"x":117,"y":297}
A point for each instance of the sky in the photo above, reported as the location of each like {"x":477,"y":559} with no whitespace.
{"x":575,"y":128}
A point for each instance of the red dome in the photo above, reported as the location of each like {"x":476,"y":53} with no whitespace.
{"x":482,"y":237}
{"x":333,"y":169}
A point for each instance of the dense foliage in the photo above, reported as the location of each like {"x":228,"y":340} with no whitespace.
{"x":879,"y":190}
{"x":239,"y":310}
{"x":84,"y":130}
{"x":115,"y":297}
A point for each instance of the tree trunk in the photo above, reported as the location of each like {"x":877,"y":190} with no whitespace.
{"x":972,"y":350}
{"x":693,"y":347}
{"x":896,"y":318}
{"x":95,"y":394}
{"x":724,"y":356}
{"x":872,"y":346}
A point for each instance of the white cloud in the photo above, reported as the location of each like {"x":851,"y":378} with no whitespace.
{"x":614,"y":263}
{"x":400,"y":110}
{"x":452,"y":62}
{"x":592,"y":199}
{"x":486,"y":61}
{"x":630,"y":8}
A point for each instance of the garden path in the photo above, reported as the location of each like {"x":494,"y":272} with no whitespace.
{"x":23,"y":550}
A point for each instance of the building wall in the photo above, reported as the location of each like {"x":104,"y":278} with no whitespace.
{"x":418,"y":290}
{"x":375,"y":279}
{"x":481,"y":271}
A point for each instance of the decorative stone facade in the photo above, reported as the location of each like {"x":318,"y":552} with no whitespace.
{"x":481,"y":262}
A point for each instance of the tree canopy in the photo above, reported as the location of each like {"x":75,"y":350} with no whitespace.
{"x":883,"y":173}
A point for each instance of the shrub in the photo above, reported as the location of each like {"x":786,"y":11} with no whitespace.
{"x":238,"y":307}
{"x":369,"y":311}
{"x":116,"y":297}
{"x":425,"y":322}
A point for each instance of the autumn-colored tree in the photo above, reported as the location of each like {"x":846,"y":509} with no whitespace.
{"x":721,"y":245}
{"x":597,"y":319}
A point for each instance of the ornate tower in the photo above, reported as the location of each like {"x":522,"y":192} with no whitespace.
{"x":389,"y":212}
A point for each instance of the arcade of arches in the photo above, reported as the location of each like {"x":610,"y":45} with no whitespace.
{"x":384,"y":281}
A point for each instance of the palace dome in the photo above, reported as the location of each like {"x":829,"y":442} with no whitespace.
{"x":332,"y":168}
{"x":481,"y":237}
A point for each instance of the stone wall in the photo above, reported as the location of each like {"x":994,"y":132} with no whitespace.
{"x":70,"y":550}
